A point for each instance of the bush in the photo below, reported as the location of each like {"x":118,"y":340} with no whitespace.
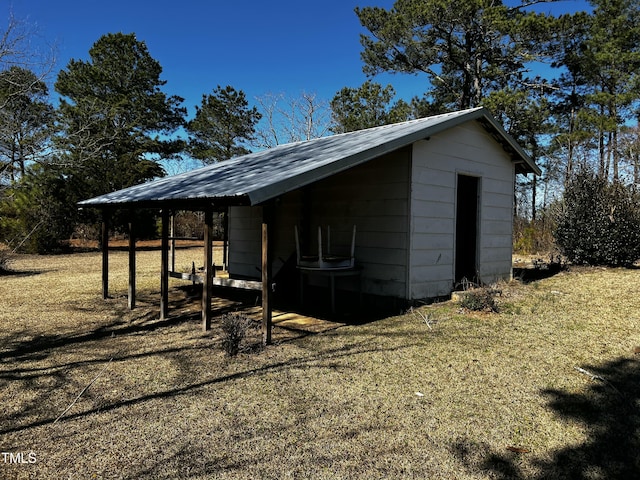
{"x":534,"y":236}
{"x":479,"y":300}
{"x":234,"y":331}
{"x":5,"y":255}
{"x":599,"y":223}
{"x":37,"y":214}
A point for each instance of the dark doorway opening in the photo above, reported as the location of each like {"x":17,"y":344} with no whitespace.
{"x":466,"y":228}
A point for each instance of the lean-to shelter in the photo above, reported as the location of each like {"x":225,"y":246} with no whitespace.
{"x":431,"y":200}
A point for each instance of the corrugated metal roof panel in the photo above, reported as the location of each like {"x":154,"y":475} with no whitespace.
{"x":257,"y":177}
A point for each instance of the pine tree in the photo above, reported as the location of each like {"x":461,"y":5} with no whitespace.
{"x":465,"y":48}
{"x":368,"y":106}
{"x":25,"y":120}
{"x":223,"y":124}
{"x":116,"y":123}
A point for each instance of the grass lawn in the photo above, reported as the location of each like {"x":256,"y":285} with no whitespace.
{"x":546,"y":388}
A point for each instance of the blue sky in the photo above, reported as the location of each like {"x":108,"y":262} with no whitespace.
{"x":260,"y":47}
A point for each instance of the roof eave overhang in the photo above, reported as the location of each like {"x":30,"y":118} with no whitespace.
{"x":524,"y":163}
{"x":275,"y":190}
{"x":195,"y":204}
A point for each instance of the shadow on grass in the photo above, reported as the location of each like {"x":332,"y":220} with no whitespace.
{"x":125,"y":322}
{"x":18,"y":352}
{"x":533,"y":274}
{"x":39,"y":347}
{"x":327,"y":358}
{"x":609,"y":410}
{"x":21,"y":273}
{"x":17,"y":348}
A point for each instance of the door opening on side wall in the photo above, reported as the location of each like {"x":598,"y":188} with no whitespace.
{"x":466,"y":228}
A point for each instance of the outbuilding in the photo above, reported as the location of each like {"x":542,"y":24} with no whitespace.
{"x":431,"y":201}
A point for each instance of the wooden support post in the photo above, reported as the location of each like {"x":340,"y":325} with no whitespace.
{"x":164,"y":266}
{"x":132,"y":260}
{"x":207,"y":285}
{"x":105,"y":253}
{"x":172,"y":231}
{"x":267,"y":227}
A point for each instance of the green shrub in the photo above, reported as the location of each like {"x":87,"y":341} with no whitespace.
{"x":534,"y":236}
{"x":599,"y":223}
{"x":37,"y":214}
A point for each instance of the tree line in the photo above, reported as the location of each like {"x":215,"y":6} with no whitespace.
{"x":566,"y":87}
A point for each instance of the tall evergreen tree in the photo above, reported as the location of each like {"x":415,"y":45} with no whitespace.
{"x":568,"y":101}
{"x":466,"y":48}
{"x":222,"y":125}
{"x":611,"y":66}
{"x":370,"y":105}
{"x":525,"y":116}
{"x":25,"y":118}
{"x":599,"y":85}
{"x":116,"y":123}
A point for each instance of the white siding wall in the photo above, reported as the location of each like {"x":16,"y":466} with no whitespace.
{"x":373,"y":196}
{"x":245,"y":241}
{"x":466,"y":149}
{"x":380,"y":197}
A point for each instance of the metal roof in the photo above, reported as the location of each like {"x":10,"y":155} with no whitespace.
{"x":257,"y":177}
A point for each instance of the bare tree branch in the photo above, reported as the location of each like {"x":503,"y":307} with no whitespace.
{"x":287,"y":119}
{"x":17,"y":49}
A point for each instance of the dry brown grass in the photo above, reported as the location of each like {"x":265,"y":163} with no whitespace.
{"x":396,"y":398}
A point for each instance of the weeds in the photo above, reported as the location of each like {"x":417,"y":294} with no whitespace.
{"x":234,"y":331}
{"x":479,"y":300}
{"x":5,"y":257}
